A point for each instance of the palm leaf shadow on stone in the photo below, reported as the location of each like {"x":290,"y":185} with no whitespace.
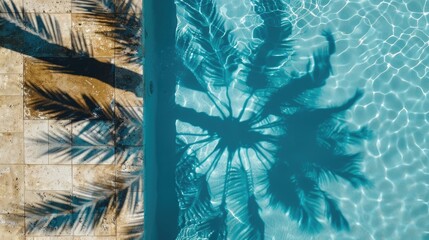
{"x":87,"y":207}
{"x":287,"y":146}
{"x":42,"y":32}
{"x":117,"y":195}
{"x":124,"y":20}
{"x":45,"y":26}
{"x":59,"y":104}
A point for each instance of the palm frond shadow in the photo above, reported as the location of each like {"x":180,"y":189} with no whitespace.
{"x":87,"y":207}
{"x":108,"y":132}
{"x":99,"y":118}
{"x":283,"y":151}
{"x":124,"y":20}
{"x":59,"y":104}
{"x":43,"y":31}
{"x":44,"y":26}
{"x":120,"y":194}
{"x":80,"y":45}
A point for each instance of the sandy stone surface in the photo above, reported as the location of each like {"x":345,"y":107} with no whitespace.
{"x":47,"y":6}
{"x":10,"y":61}
{"x":71,"y":112}
{"x":11,"y":114}
{"x":11,"y":84}
{"x":11,"y":148}
{"x":96,"y":33}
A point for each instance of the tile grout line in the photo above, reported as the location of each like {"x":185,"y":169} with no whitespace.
{"x":114,"y":128}
{"x":115,"y":55}
{"x":71,"y":128}
{"x":23,"y":132}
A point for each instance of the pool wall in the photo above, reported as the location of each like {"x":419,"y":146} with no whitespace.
{"x":160,"y":196}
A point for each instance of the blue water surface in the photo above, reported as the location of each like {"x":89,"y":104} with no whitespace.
{"x":302,"y":119}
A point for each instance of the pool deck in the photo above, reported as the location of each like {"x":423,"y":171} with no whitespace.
{"x":69,"y":85}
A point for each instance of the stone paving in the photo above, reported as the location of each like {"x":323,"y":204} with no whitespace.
{"x":71,"y":109}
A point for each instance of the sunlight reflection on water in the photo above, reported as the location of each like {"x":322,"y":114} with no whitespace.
{"x":382,"y":48}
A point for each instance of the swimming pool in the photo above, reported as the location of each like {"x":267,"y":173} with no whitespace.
{"x":197,"y":127}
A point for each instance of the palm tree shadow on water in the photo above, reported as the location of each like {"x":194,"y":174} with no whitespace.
{"x":274,"y":143}
{"x":252,"y":136}
{"x":118,"y":194}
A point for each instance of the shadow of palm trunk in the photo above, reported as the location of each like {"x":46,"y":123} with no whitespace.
{"x":72,"y":64}
{"x":105,"y":133}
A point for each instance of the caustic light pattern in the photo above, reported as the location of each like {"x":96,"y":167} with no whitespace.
{"x":251,"y":133}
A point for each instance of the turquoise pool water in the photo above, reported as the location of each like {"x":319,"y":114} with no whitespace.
{"x":230,"y":133}
{"x":382,"y":47}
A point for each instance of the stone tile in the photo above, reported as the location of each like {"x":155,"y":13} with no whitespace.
{"x":50,"y":238}
{"x":128,"y":75}
{"x":60,"y":132}
{"x":48,"y":177}
{"x":87,"y":180}
{"x":91,"y":175}
{"x":129,"y":156}
{"x":42,"y":233}
{"x":11,"y":44}
{"x":109,"y":6}
{"x":134,"y":174}
{"x":36,"y":141}
{"x":59,"y":142}
{"x":94,"y":238}
{"x":56,"y":29}
{"x":136,"y":184}
{"x":11,"y":229}
{"x":11,"y":6}
{"x":105,"y":6}
{"x":11,"y":84}
{"x":95,"y":32}
{"x":60,"y":154}
{"x":129,"y":37}
{"x":34,"y":199}
{"x":107,"y":226}
{"x":92,"y":83}
{"x":11,"y":148}
{"x":129,"y":126}
{"x":136,"y":193}
{"x":127,"y":217}
{"x":38,"y":74}
{"x":130,"y":88}
{"x":11,"y":114}
{"x":93,"y":154}
{"x":92,"y":133}
{"x":10,"y":61}
{"x":134,"y":6}
{"x":96,"y":72}
{"x":11,"y":189}
{"x":122,"y":237}
{"x":84,"y":229}
{"x":124,"y":61}
{"x":47,"y":6}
